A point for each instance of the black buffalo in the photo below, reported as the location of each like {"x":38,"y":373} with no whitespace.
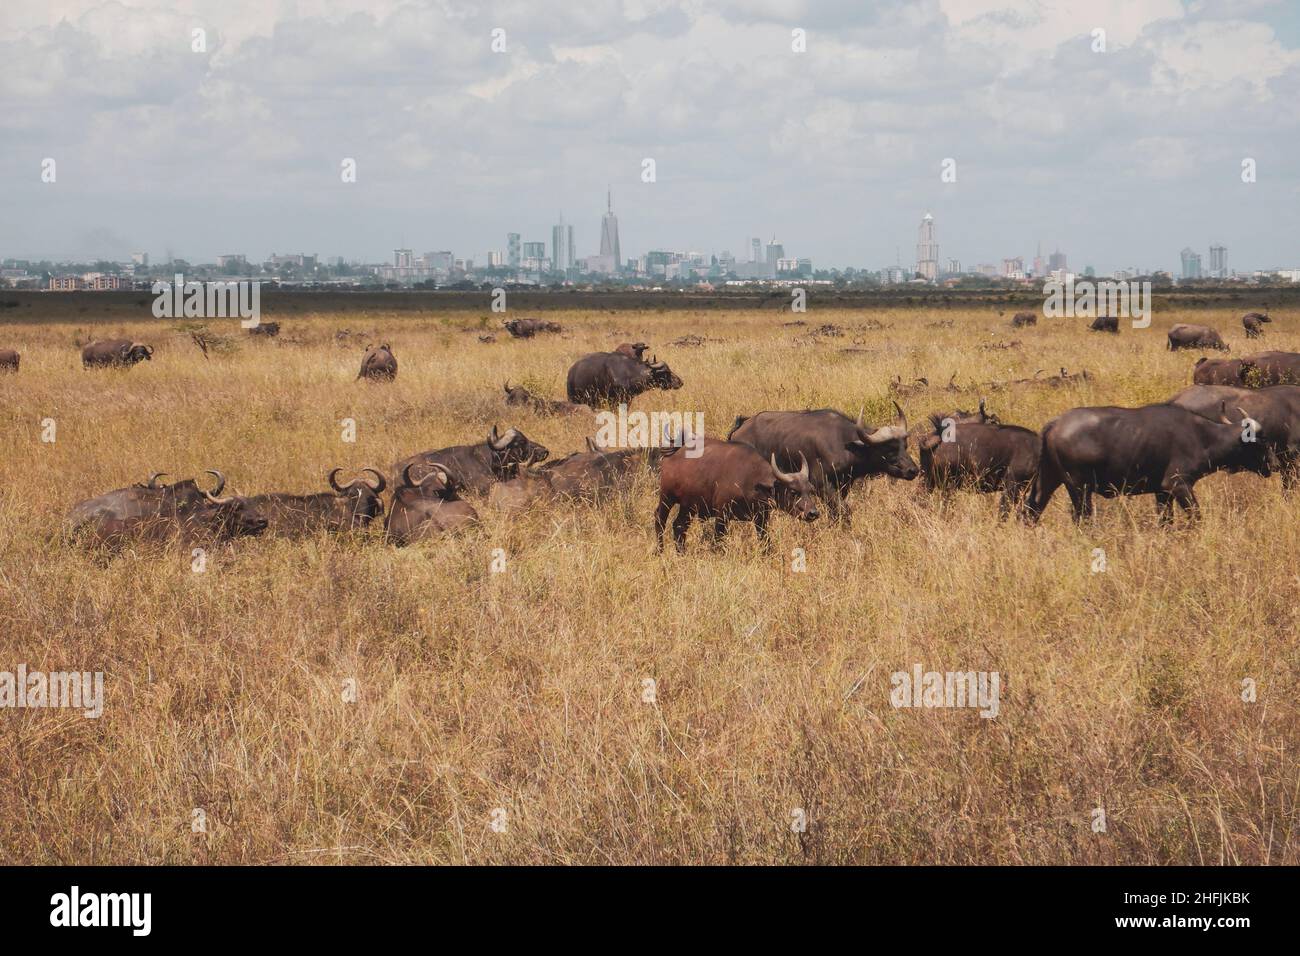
{"x":1275,"y":407}
{"x":348,"y":507}
{"x":475,"y":468}
{"x":527,"y":328}
{"x":1022,"y":319}
{"x":120,"y":353}
{"x":839,"y":451}
{"x":379,"y":364}
{"x":1157,"y":449}
{"x":1105,"y":323}
{"x":1184,"y":336}
{"x":426,"y":508}
{"x":9,"y":360}
{"x":606,"y":379}
{"x":983,"y":456}
{"x":1253,"y":323}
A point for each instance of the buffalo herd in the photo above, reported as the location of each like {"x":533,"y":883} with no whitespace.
{"x":1240,"y":415}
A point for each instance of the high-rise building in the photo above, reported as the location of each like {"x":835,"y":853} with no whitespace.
{"x":512,"y":250}
{"x":775,"y":253}
{"x":954,"y":267}
{"x":1191,"y":264}
{"x":1056,"y":260}
{"x":1038,"y":260}
{"x":401,"y":258}
{"x":756,"y":250}
{"x":1219,"y":262}
{"x":1013,"y":268}
{"x":609,"y":233}
{"x":495,"y":259}
{"x":534,"y":250}
{"x":562,"y":256}
{"x":927,"y":249}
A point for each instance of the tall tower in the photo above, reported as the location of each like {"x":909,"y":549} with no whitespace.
{"x":562,"y":255}
{"x":927,"y":250}
{"x":512,"y":249}
{"x":609,"y":234}
{"x":1219,"y":262}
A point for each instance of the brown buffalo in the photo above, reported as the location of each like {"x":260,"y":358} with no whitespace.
{"x":633,"y":350}
{"x":1250,"y":371}
{"x":1184,"y":336}
{"x":728,"y":481}
{"x":1022,"y":319}
{"x":606,"y":379}
{"x":119,"y":353}
{"x":518,"y":395}
{"x":8,"y":360}
{"x":474,"y":468}
{"x":1275,"y":407}
{"x":154,"y":512}
{"x":527,"y":328}
{"x":1105,"y":323}
{"x":269,"y":329}
{"x":426,"y":508}
{"x":976,"y":453}
{"x":349,"y":507}
{"x":527,"y":488}
{"x":1253,"y":323}
{"x":378,"y":364}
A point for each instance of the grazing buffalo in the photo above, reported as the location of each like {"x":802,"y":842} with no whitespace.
{"x":153,"y":512}
{"x":8,"y":360}
{"x":838,"y":450}
{"x":729,"y":480}
{"x":1210,"y":371}
{"x":426,"y":508}
{"x":527,"y":328}
{"x":475,"y":468}
{"x":1276,"y":408}
{"x":1252,"y":371}
{"x":606,"y":379}
{"x":518,"y":395}
{"x":348,"y":507}
{"x":982,"y":456}
{"x":1253,"y":323}
{"x":1157,"y":449}
{"x":379,"y":364}
{"x":1105,"y":323}
{"x":1022,"y":319}
{"x":633,"y":350}
{"x":121,"y":353}
{"x":1184,"y":336}
{"x":269,"y":329}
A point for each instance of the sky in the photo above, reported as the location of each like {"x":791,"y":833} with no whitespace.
{"x":1120,"y":157}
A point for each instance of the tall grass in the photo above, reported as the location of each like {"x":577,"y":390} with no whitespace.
{"x":526,"y":691}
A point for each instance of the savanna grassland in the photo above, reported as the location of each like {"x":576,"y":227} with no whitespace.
{"x":525,"y":690}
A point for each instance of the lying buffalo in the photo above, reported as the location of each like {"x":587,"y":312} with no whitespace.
{"x":121,"y":353}
{"x":599,"y":471}
{"x":1157,"y":449}
{"x":269,"y":329}
{"x":633,"y":350}
{"x":1251,"y":371}
{"x":527,"y":328}
{"x":8,"y":360}
{"x":1253,"y":323}
{"x":606,"y":379}
{"x":838,"y":450}
{"x":983,"y":456}
{"x":155,"y":512}
{"x":1275,"y":407}
{"x":518,"y":395}
{"x":474,"y":468}
{"x":379,"y":364}
{"x":426,"y":508}
{"x":1183,"y":336}
{"x":527,"y":488}
{"x":728,"y":481}
{"x":349,"y":507}
{"x":1022,"y":319}
{"x":1105,"y":323}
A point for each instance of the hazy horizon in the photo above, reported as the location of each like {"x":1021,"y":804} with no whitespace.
{"x":1119,"y":158}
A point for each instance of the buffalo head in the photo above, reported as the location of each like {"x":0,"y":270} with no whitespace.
{"x":885,"y":448}
{"x":661,"y":376}
{"x":512,"y":448}
{"x":795,"y":494}
{"x":364,"y":493}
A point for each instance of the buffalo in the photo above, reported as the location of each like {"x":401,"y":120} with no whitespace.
{"x":728,"y":481}
{"x":528,"y":487}
{"x":518,"y":395}
{"x":1254,"y":371}
{"x":633,"y":350}
{"x":1105,"y":323}
{"x":1156,"y":449}
{"x":599,"y":471}
{"x":976,"y":453}
{"x":378,"y":364}
{"x":157,"y":512}
{"x":426,"y":508}
{"x":475,"y":468}
{"x":838,"y":450}
{"x":9,"y":360}
{"x":1253,"y":322}
{"x":527,"y":328}
{"x":1022,"y":319}
{"x":269,"y":329}
{"x":1184,"y":336}
{"x":606,"y":379}
{"x":351,"y":506}
{"x":1275,"y":407}
{"x":119,"y":353}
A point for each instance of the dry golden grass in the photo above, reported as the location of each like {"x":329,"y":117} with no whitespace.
{"x":523,"y":690}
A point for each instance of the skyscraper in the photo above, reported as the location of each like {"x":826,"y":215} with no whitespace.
{"x":775,"y":253}
{"x":927,"y":249}
{"x":756,"y":250}
{"x":609,"y":234}
{"x":1219,"y":262}
{"x":562,"y":257}
{"x":1191,"y":264}
{"x":1056,"y":261}
{"x":512,"y":250}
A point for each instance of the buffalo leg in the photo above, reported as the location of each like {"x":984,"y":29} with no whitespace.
{"x":680,"y":524}
{"x":1165,"y":506}
{"x":719,"y":530}
{"x":760,"y":526}
{"x":1186,"y":500}
{"x":1080,"y":502}
{"x":661,"y":518}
